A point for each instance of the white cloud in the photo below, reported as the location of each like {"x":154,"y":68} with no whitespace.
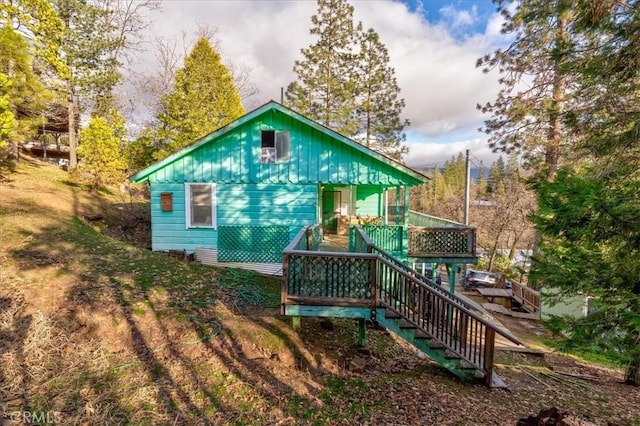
{"x":459,"y":18}
{"x":435,"y":69}
{"x":430,"y":154}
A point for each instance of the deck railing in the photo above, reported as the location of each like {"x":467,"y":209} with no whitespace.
{"x":390,"y":237}
{"x":529,"y":297}
{"x":442,"y":242}
{"x":372,"y":277}
{"x":425,"y":220}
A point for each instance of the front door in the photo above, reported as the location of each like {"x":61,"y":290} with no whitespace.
{"x":329,"y":214}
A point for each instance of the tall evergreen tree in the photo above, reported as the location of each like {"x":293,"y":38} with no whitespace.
{"x":528,"y":114}
{"x":497,"y":172}
{"x":346,"y":83}
{"x":379,"y":106}
{"x":588,"y":218}
{"x":93,"y":72}
{"x":327,"y":86}
{"x":482,"y":179}
{"x":204,"y":98}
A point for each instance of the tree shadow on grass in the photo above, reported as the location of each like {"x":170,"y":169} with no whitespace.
{"x":160,"y":323}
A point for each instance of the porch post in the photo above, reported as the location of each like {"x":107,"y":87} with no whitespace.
{"x":406,"y":206}
{"x":451,"y":269}
{"x":386,"y":206}
{"x":398,"y":205}
{"x":405,"y":223}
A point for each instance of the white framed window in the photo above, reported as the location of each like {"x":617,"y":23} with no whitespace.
{"x":200,"y":205}
{"x":275,"y":146}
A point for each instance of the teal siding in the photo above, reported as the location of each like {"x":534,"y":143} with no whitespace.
{"x":237,"y":204}
{"x":316,"y":157}
{"x":169,"y":230}
{"x":267,"y":204}
{"x":369,"y":201}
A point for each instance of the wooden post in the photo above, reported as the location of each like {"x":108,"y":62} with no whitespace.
{"x":489,"y":345}
{"x":398,"y":205}
{"x":451,"y":269}
{"x":373,"y":279}
{"x":284,"y":289}
{"x":362,"y":332}
{"x":296,"y":323}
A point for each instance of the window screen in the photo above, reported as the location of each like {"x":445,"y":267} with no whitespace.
{"x":275,"y":146}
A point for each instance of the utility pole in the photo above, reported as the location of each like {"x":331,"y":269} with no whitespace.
{"x":467,"y":184}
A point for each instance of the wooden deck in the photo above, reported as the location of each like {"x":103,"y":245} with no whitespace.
{"x":335,"y":243}
{"x":364,"y":283}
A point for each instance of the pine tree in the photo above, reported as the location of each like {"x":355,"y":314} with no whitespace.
{"x":482,"y":179}
{"x":588,"y":217}
{"x":379,"y":105}
{"x":102,"y":160}
{"x":93,"y":71}
{"x":497,"y":172}
{"x":327,"y":81}
{"x":529,"y":118}
{"x":204,"y":99}
{"x":346,"y":83}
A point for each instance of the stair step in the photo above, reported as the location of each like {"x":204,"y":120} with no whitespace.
{"x":405,"y":324}
{"x":466,"y":365}
{"x":437,"y":345}
{"x":419,"y":334}
{"x":497,"y":383}
{"x":391,"y":314}
{"x":451,"y":355}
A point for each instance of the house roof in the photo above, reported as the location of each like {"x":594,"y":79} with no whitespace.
{"x":269,"y":106}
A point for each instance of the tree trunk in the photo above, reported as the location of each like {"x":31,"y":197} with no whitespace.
{"x":632,"y":375}
{"x":555,"y":115}
{"x":14,"y":149}
{"x":73,"y":136}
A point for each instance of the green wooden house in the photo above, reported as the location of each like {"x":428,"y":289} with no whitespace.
{"x":241,"y":193}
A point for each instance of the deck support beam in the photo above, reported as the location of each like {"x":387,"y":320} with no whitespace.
{"x":452,"y":270}
{"x":362,"y":332}
{"x":296,"y":323}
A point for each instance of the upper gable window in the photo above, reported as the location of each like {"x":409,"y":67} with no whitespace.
{"x":275,"y":146}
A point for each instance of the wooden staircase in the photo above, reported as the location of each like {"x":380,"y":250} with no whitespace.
{"x":435,"y":349}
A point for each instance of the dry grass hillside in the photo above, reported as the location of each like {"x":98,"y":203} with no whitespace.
{"x":99,"y":330}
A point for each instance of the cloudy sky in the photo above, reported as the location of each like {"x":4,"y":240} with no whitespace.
{"x":433,"y":46}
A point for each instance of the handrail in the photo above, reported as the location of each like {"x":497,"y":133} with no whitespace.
{"x":415,"y":216}
{"x":425,"y":280}
{"x":460,"y":304}
{"x":529,"y":296}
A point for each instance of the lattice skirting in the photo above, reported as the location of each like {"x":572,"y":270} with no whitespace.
{"x":209,"y":256}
